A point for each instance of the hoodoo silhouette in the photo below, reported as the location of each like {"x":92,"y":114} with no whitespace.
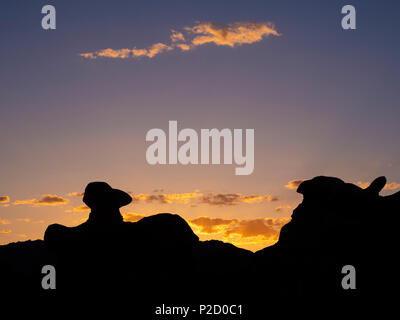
{"x":161,"y":257}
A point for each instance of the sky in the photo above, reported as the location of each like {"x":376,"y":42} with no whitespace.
{"x":76,"y":104}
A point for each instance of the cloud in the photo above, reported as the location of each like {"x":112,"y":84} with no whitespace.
{"x":24,"y":220}
{"x":75,"y":194}
{"x":392,"y":186}
{"x":165,"y":198}
{"x":215,"y":199}
{"x":388,"y":186}
{"x":45,"y":200}
{"x":4,"y":199}
{"x":281,"y":208}
{"x":294,"y":184}
{"x":267,"y":229}
{"x":234,"y":34}
{"x":5,"y":231}
{"x":82,"y":208}
{"x":231,"y":35}
{"x":183,"y":46}
{"x":4,"y":221}
{"x":132,"y":217}
{"x":264,"y":229}
{"x":270,"y":198}
{"x":231,"y":199}
{"x":177,"y":36}
{"x":210,"y":225}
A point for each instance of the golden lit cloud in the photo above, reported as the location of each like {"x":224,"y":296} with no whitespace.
{"x":231,"y":199}
{"x":132,"y":217}
{"x":45,"y":200}
{"x":281,"y":208}
{"x":82,"y":208}
{"x":4,"y":199}
{"x":183,"y":46}
{"x":208,"y":225}
{"x":216,"y":199}
{"x":177,"y":36}
{"x":166,"y":198}
{"x":294,"y":184}
{"x":76,"y":194}
{"x":157,"y":48}
{"x":24,"y":220}
{"x":5,"y":231}
{"x":256,"y":230}
{"x":388,"y":186}
{"x":234,"y":34}
{"x":4,"y":221}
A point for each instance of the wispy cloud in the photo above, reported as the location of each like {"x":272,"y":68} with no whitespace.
{"x":282,"y":208}
{"x":82,"y":208}
{"x":214,"y":199}
{"x":264,"y":229}
{"x":4,"y":221}
{"x":4,"y":231}
{"x":4,"y":199}
{"x":75,"y":194}
{"x":208,"y":225}
{"x":45,"y":200}
{"x":231,"y":199}
{"x":234,"y":34}
{"x":294,"y":184}
{"x":231,"y":35}
{"x":132,"y":217}
{"x":166,"y":198}
{"x":388,"y":186}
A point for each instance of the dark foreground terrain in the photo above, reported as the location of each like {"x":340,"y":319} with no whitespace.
{"x":160,"y":260}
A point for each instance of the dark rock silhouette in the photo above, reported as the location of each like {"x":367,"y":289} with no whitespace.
{"x":159,"y":257}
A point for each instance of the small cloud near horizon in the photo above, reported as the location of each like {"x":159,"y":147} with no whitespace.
{"x":4,"y":199}
{"x":45,"y":200}
{"x":213,"y":199}
{"x":294,"y":184}
{"x":388,"y":186}
{"x":5,"y":221}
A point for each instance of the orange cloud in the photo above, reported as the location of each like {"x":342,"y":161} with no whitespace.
{"x":111,"y":53}
{"x":281,"y":208}
{"x":177,"y":36}
{"x":5,"y":231}
{"x":219,"y":199}
{"x":294,"y":184}
{"x":231,"y":199}
{"x":267,"y":229}
{"x":4,"y":221}
{"x":183,"y":46}
{"x":82,"y":208}
{"x":234,"y":34}
{"x":166,"y":198}
{"x":132,"y":217}
{"x":24,"y":220}
{"x":4,"y":199}
{"x":388,"y":186}
{"x":45,"y":200}
{"x":75,"y":194}
{"x":260,"y":229}
{"x":210,"y":225}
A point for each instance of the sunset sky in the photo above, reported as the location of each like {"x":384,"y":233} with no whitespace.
{"x":76,"y":104}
